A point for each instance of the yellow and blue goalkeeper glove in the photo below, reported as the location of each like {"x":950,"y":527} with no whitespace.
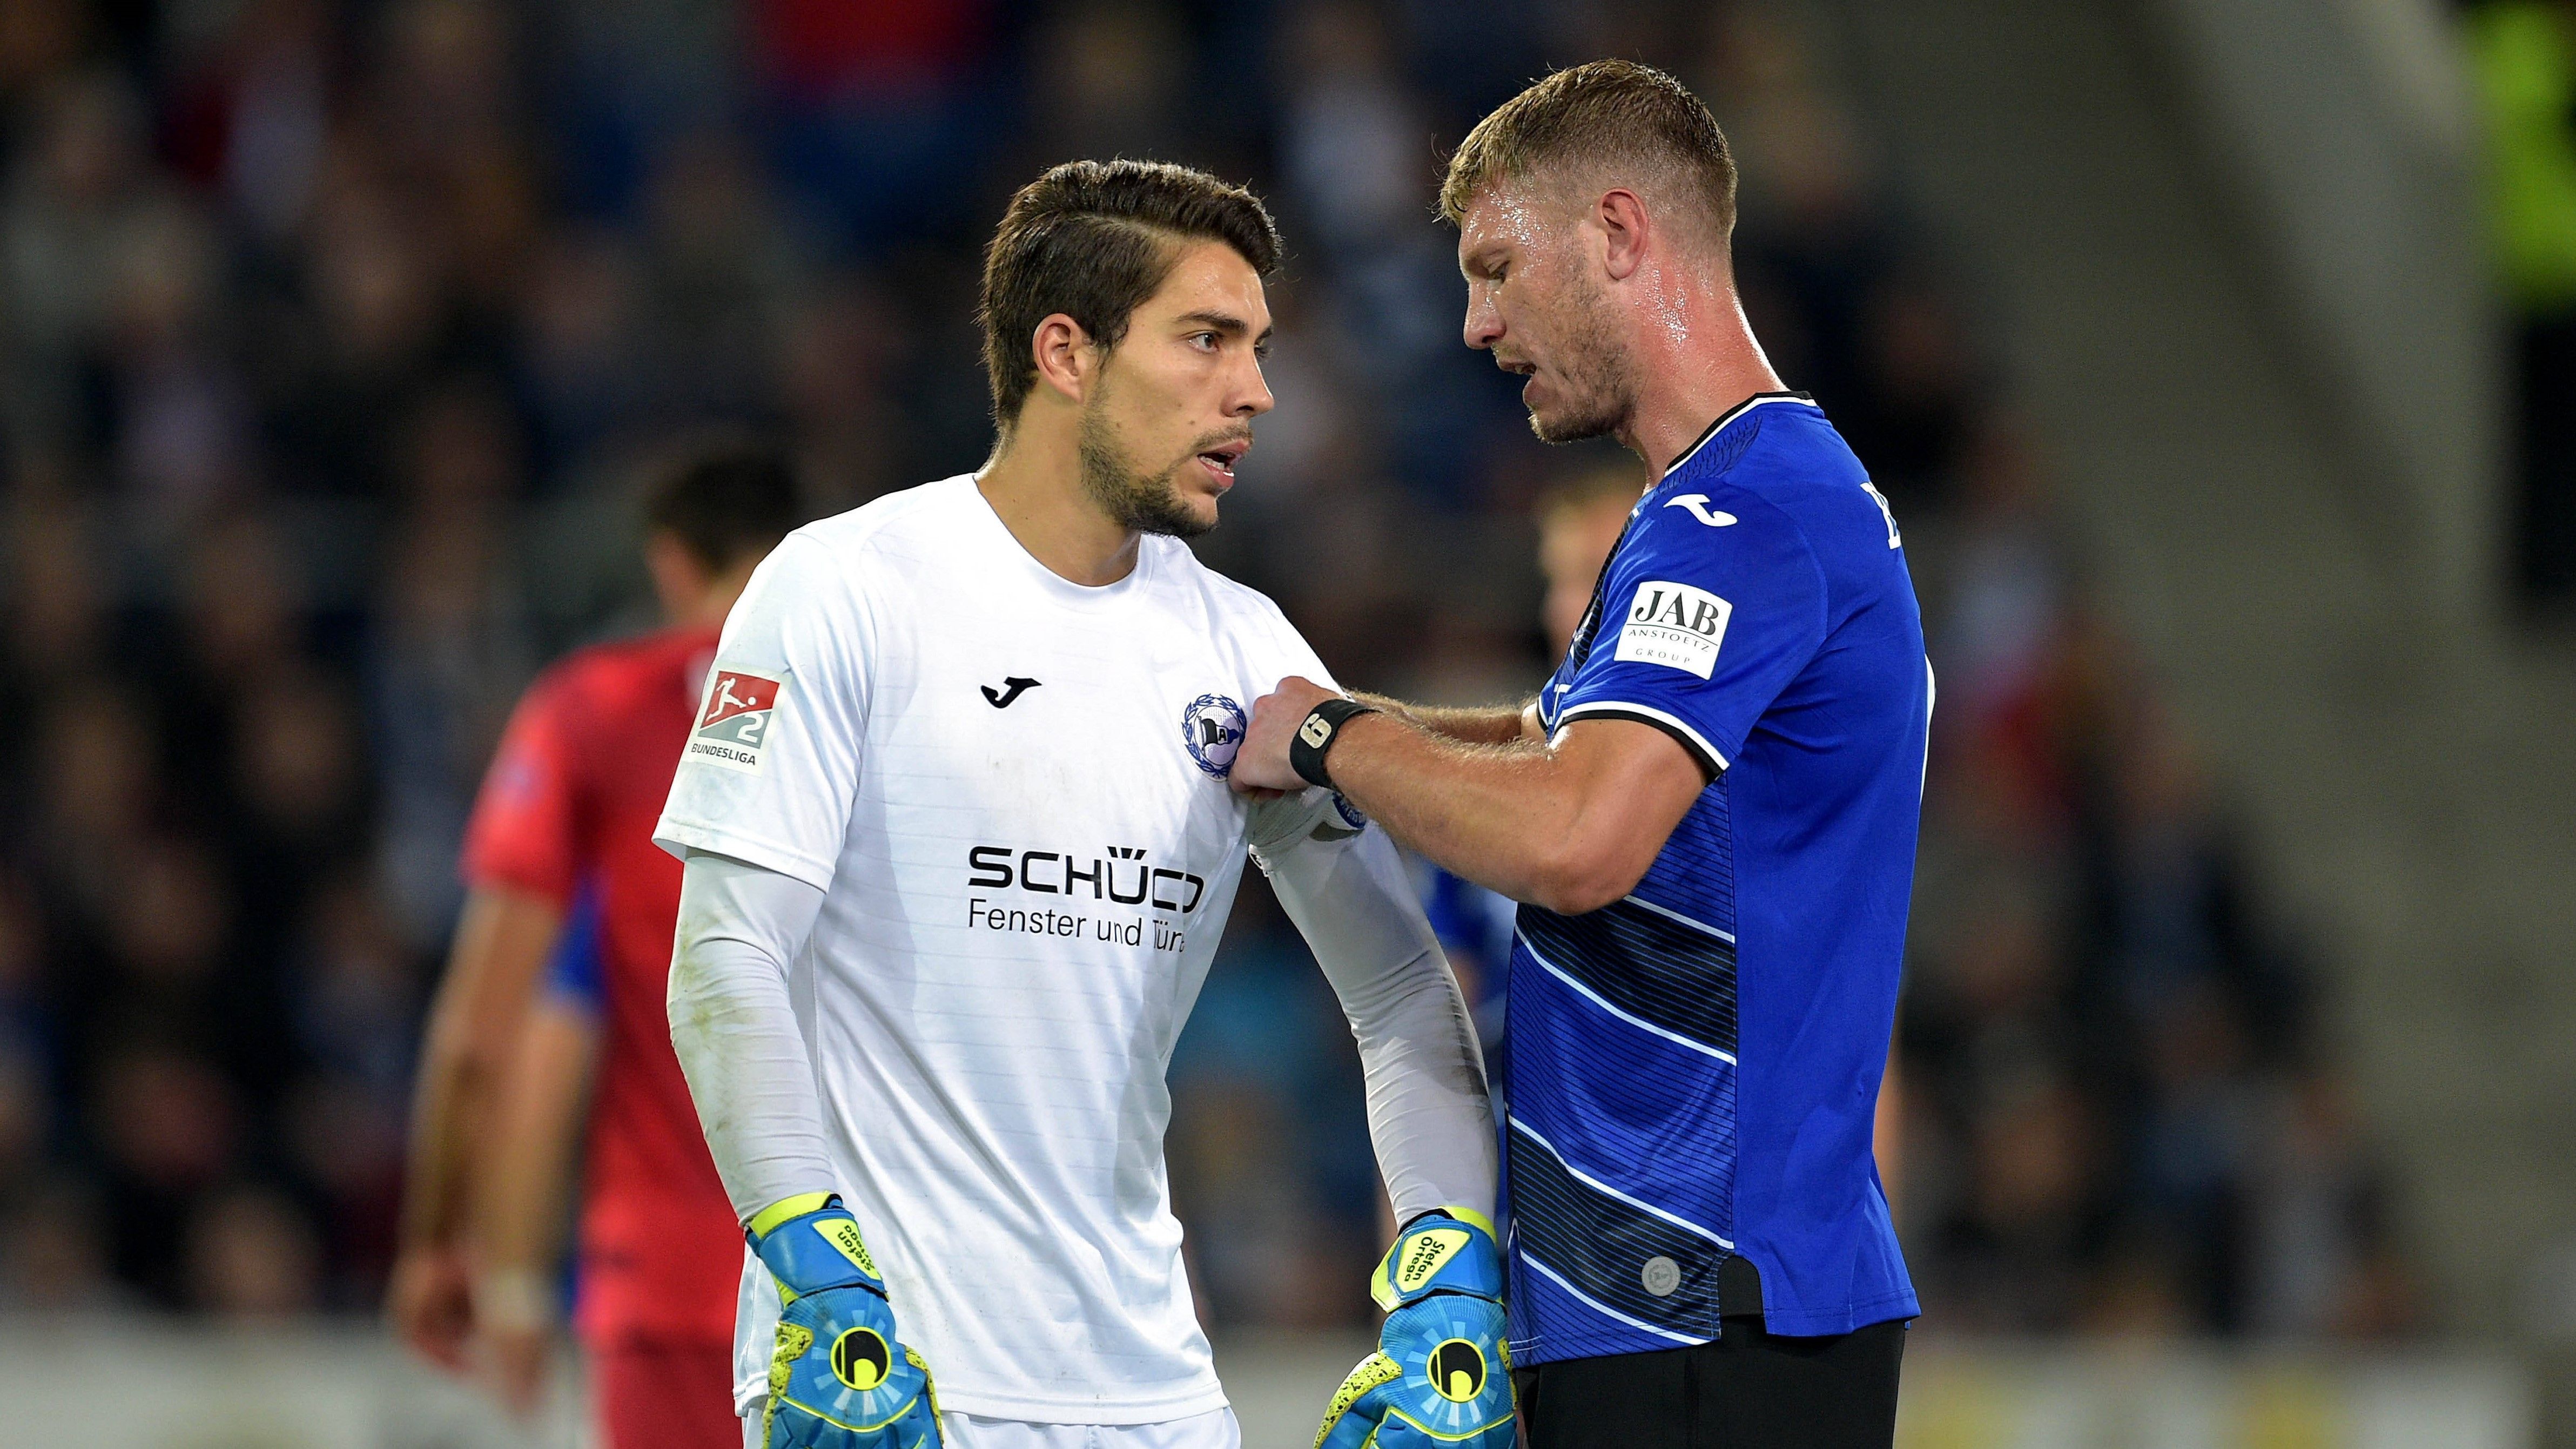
{"x":1441,"y":1377}
{"x":839,"y":1378}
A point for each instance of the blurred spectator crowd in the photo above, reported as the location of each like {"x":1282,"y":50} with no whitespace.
{"x":329,"y":332}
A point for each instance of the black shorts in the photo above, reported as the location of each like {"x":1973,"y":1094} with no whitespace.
{"x":1748,"y":1390}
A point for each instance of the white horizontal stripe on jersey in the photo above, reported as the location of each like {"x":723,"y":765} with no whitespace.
{"x":1638,"y":1022}
{"x":1674,"y":915}
{"x":1618,"y":706}
{"x":1597,"y":1306}
{"x":1597,"y":1185}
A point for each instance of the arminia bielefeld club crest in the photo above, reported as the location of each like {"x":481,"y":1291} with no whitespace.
{"x":1212,"y":727}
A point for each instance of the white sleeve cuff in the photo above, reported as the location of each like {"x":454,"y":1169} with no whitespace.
{"x":680,"y":837}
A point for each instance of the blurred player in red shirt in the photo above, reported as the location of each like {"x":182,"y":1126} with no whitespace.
{"x":559,"y":862}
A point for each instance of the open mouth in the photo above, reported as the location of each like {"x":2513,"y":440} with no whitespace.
{"x":1219,"y":461}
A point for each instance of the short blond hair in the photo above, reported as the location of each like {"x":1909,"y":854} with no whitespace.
{"x":1603,"y":112}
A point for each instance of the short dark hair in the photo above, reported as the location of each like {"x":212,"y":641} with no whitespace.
{"x":1600,"y":111}
{"x":724,"y":501}
{"x":1092,"y":240}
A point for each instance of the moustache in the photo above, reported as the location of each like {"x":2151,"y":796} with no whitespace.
{"x":1220,"y":438}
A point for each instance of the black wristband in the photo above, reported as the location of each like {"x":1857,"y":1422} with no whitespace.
{"x":1315,"y":736}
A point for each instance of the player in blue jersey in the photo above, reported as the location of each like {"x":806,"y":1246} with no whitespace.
{"x":1709,"y":814}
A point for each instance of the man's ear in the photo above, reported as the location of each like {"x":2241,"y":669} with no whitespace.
{"x":1625,"y":231}
{"x":1067,"y":361}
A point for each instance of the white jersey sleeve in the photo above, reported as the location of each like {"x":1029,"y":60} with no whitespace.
{"x":1428,"y":1117}
{"x":735,"y":1030}
{"x":772,"y":762}
{"x":1340,"y":880}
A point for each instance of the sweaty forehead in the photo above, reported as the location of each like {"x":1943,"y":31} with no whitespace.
{"x":1506,"y":215}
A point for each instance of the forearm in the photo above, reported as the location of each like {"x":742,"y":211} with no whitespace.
{"x":1487,"y":726}
{"x":1430,"y":1120}
{"x":1570,"y":823}
{"x":1496,"y":814}
{"x":501,"y":941}
{"x":445,"y":1096}
{"x":1428,"y":1115}
{"x":525,"y":1184}
{"x":735,"y":1030}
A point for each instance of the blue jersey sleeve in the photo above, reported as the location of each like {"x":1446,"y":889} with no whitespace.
{"x":1708,"y":611}
{"x":572,"y":970}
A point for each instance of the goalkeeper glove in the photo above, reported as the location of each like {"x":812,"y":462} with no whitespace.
{"x":1441,"y":1376}
{"x":839,"y":1378}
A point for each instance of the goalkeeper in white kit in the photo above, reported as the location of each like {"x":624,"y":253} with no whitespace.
{"x":959,"y":848}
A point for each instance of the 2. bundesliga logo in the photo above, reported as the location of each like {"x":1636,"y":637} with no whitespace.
{"x":734,"y":723}
{"x":1212,"y":727}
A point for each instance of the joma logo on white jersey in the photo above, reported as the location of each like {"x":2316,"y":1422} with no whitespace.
{"x":1674,"y":625}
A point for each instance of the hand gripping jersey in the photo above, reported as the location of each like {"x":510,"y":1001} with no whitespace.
{"x":1694,"y":1068}
{"x":567,"y":809}
{"x":1012,"y":791}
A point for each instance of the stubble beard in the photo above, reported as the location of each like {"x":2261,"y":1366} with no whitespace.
{"x":1599,"y":393}
{"x":1145,"y":502}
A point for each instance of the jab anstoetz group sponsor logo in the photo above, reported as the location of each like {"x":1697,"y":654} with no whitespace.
{"x":1674,"y":625}
{"x":1212,"y":728}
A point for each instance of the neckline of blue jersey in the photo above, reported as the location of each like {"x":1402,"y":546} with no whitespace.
{"x":1730,"y":415}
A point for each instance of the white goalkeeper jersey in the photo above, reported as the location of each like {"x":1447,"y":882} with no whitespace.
{"x":1010,"y":788}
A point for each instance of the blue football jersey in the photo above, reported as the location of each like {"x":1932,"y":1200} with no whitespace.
{"x":1695,"y":1068}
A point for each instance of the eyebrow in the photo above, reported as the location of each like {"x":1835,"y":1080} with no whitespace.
{"x":1227,"y":323}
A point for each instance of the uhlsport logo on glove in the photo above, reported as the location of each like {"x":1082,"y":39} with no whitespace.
{"x":1457,"y":1370}
{"x":840,"y":1376}
{"x":861,"y":1358}
{"x":1441,"y":1377}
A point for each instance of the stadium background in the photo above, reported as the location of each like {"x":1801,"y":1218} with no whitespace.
{"x":2208,"y":353}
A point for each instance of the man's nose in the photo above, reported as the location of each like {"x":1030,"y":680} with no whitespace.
{"x":1484,"y":324}
{"x":1252,"y":396}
